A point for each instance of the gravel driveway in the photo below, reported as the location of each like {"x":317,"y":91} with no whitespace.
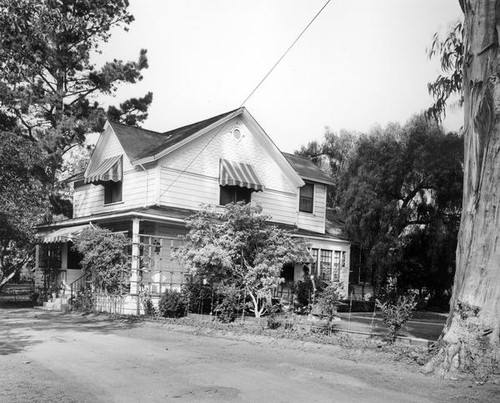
{"x":47,"y":357}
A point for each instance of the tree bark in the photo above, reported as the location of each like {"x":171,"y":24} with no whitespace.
{"x":473,"y":326}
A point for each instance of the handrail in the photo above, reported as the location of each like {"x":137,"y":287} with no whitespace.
{"x":77,"y":285}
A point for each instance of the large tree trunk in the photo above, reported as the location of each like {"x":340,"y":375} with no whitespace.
{"x":472,"y":331}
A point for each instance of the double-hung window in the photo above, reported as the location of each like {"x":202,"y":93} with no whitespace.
{"x":306,"y":200}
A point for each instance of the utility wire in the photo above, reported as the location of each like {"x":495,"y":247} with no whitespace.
{"x":284,"y":54}
{"x":246,"y":99}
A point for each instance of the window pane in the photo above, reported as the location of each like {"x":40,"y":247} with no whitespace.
{"x":336,"y":266}
{"x":226,"y":195}
{"x":306,"y":198}
{"x":233,"y":194}
{"x":326,"y":264}
{"x":112,"y":192}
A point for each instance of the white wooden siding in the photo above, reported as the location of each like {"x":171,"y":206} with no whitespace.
{"x":188,"y":177}
{"x":202,"y":156}
{"x":139,"y":189}
{"x":315,"y":221}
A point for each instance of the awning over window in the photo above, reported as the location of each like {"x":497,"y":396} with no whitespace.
{"x":111,"y":169}
{"x":64,"y":234}
{"x":238,"y":174}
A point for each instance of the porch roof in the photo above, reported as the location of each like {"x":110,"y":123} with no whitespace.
{"x":153,"y":213}
{"x":63,"y":234}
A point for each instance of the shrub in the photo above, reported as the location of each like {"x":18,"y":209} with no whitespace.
{"x":396,"y":313}
{"x":172,"y":304}
{"x":328,"y":300}
{"x":273,"y":321}
{"x":199,"y":296}
{"x":84,"y":301}
{"x":230,"y":303}
{"x":304,"y":292}
{"x":147,"y":304}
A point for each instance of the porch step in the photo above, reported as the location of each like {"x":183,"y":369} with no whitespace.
{"x":59,"y":304}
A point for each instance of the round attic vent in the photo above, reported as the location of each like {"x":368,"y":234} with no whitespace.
{"x":236,"y":133}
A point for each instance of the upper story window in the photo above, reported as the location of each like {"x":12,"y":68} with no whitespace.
{"x":112,"y":192}
{"x":306,"y":200}
{"x":234,"y":194}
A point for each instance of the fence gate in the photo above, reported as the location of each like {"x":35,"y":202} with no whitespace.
{"x":158,"y":269}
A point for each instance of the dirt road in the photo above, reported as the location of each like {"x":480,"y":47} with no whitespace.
{"x":47,"y":357}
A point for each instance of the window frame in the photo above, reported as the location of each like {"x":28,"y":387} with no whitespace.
{"x":113,"y":192}
{"x":326,"y":264}
{"x":306,"y":199}
{"x":238,"y":193}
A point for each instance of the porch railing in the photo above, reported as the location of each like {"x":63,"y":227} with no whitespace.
{"x":80,"y":284}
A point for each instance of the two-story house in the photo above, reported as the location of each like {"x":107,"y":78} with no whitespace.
{"x":146,"y":183}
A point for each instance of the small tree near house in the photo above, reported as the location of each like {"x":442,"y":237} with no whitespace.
{"x":239,"y":247}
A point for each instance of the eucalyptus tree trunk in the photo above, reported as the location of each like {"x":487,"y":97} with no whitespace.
{"x":472,"y":331}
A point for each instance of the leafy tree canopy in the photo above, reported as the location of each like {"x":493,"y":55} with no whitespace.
{"x":48,"y":81}
{"x":23,"y":200}
{"x":51,"y":95}
{"x":332,"y":156}
{"x":239,"y":247}
{"x":450,"y":51}
{"x":401,"y":197}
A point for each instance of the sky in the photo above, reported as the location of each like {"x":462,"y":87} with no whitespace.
{"x":361,"y":63}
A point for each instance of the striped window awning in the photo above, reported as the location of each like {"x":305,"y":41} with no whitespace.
{"x":111,"y":169}
{"x":238,"y":174}
{"x":64,"y":234}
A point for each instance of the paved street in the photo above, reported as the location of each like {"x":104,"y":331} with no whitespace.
{"x":73,"y":358}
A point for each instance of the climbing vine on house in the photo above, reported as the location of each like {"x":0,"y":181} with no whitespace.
{"x":105,"y":259}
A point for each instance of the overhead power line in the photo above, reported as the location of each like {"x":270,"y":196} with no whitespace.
{"x":243,"y":103}
{"x":284,"y":54}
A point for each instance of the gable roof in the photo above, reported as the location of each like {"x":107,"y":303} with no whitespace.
{"x":141,"y":143}
{"x":307,"y":169}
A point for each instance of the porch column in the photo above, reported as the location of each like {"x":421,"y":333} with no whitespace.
{"x":134,"y":277}
{"x":37,"y":274}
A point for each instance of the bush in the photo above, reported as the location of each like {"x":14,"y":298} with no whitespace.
{"x":147,"y":304}
{"x":304,"y":293}
{"x":172,"y":304}
{"x":396,"y":314}
{"x":84,"y":301}
{"x":230,"y":303}
{"x":328,"y":301}
{"x":198,"y":295}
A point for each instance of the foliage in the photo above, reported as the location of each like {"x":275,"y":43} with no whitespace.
{"x":404,"y":211}
{"x":199,"y":296}
{"x":450,"y":50}
{"x":304,"y":292}
{"x":50,"y":87}
{"x":273,"y":321}
{"x":231,"y":303}
{"x":84,"y":301}
{"x":105,"y":258}
{"x":328,"y":300}
{"x":238,"y":247}
{"x":332,"y":156}
{"x":172,"y":304}
{"x":396,"y":313}
{"x":147,"y":304}
{"x":23,"y":201}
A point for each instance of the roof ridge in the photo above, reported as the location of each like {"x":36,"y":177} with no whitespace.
{"x":200,"y":121}
{"x":134,"y":127}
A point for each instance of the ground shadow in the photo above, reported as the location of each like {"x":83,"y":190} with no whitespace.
{"x":19,"y":326}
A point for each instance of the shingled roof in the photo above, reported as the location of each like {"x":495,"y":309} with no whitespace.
{"x":307,"y":169}
{"x":141,"y":143}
